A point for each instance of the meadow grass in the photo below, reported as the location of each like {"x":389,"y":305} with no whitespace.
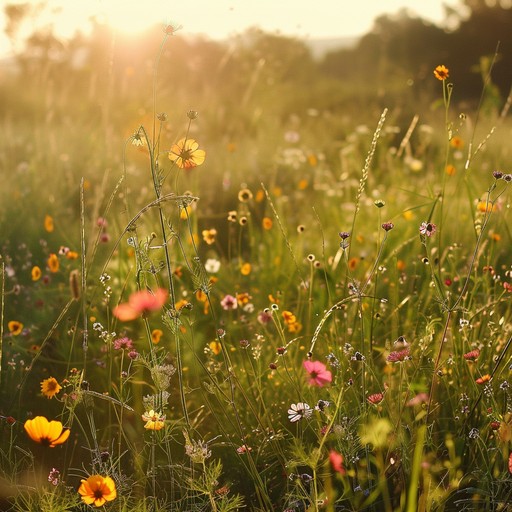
{"x":316,"y":316}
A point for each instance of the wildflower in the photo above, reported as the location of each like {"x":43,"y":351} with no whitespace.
{"x":457,"y":142}
{"x":318,"y":373}
{"x":186,"y":155}
{"x":427,"y":228}
{"x":50,"y":387}
{"x":298,"y":411}
{"x":209,"y":235}
{"x":215,"y":347}
{"x":47,"y":433}
{"x":245,"y":269}
{"x":497,"y":175}
{"x":388,"y":226}
{"x":399,"y":356}
{"x":54,"y":476}
{"x":229,"y":302}
{"x":244,"y":195}
{"x":123,"y":343}
{"x":154,"y":420}
{"x":36,"y":273}
{"x":243,"y":449}
{"x":139,"y":303}
{"x":156,"y":335}
{"x":15,"y":327}
{"x":53,"y":263}
{"x":450,"y":170}
{"x":232,"y":216}
{"x":48,"y":223}
{"x":420,"y":398}
{"x":441,"y":72}
{"x":483,"y":379}
{"x":97,"y":490}
{"x":321,"y":405}
{"x":264,"y":317}
{"x":212,"y":266}
{"x":336,"y":461}
{"x":376,"y":398}
{"x":267,"y":223}
{"x":198,"y":451}
{"x":472,"y":355}
{"x":510,"y":463}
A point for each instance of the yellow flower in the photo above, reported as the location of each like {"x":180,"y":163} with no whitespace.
{"x":15,"y":327}
{"x":209,"y":235}
{"x":154,"y":420}
{"x":48,"y":223}
{"x":47,"y":433}
{"x":50,"y":387}
{"x":97,"y":490}
{"x":245,"y":269}
{"x":441,"y":72}
{"x":36,"y":273}
{"x":186,"y":155}
{"x":215,"y":347}
{"x":156,"y":335}
{"x":53,"y":263}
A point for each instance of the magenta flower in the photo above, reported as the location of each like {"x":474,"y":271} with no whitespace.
{"x":318,"y":374}
{"x":229,"y":302}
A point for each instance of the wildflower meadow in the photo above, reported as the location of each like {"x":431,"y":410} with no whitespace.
{"x":263,"y":303}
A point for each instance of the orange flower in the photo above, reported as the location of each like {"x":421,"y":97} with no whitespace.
{"x":336,"y":460}
{"x":139,"y":303}
{"x":209,"y":235}
{"x":48,"y":223}
{"x":47,"y":433}
{"x":450,"y":170}
{"x":267,"y":223}
{"x":186,"y":155}
{"x":53,"y":263}
{"x":50,"y":387}
{"x":483,"y":379}
{"x":156,"y":335}
{"x":97,"y":490}
{"x":72,"y":255}
{"x":456,"y":142}
{"x":36,"y":273}
{"x":441,"y":72}
{"x":245,"y":269}
{"x":215,"y":347}
{"x":15,"y":327}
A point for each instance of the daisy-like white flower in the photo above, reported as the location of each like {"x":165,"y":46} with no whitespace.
{"x":298,"y":411}
{"x":212,"y":265}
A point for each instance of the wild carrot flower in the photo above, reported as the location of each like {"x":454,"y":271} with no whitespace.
{"x":229,"y":302}
{"x":15,"y":327}
{"x":427,"y":228}
{"x":36,"y":273}
{"x":47,"y":433}
{"x":336,"y":461}
{"x":154,"y":420}
{"x":298,"y":411}
{"x":50,"y":387}
{"x":186,"y":154}
{"x":53,"y":263}
{"x":97,"y":490}
{"x":441,"y":72}
{"x":318,"y":373}
{"x":139,"y":303}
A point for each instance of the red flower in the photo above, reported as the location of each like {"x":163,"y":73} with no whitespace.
{"x":376,"y":398}
{"x":336,"y":460}
{"x":139,"y":303}
{"x":318,"y":374}
{"x":472,"y":356}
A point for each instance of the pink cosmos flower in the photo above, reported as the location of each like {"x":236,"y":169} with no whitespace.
{"x":318,"y":374}
{"x":336,"y":460}
{"x":229,"y":302}
{"x":139,"y":303}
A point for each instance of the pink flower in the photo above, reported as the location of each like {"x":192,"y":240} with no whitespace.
{"x":420,"y":398}
{"x":318,"y":374}
{"x":229,"y":302}
{"x":427,"y":228}
{"x":336,"y":460}
{"x":139,"y":303}
{"x":123,"y":343}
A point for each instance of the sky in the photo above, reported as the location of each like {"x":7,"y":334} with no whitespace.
{"x":219,"y":19}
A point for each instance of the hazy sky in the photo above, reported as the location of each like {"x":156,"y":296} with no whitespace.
{"x":221,"y":18}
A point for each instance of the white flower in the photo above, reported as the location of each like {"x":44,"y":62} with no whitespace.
{"x":299,"y":411}
{"x":212,"y":266}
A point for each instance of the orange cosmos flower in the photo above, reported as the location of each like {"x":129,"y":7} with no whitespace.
{"x":215,"y":347}
{"x":53,"y":263}
{"x":441,"y":72}
{"x":47,"y":433}
{"x":267,"y":223}
{"x":36,"y":273}
{"x":48,"y":223}
{"x":50,"y":387}
{"x":97,"y":490}
{"x":15,"y":327}
{"x":483,"y":379}
{"x":186,"y":155}
{"x":246,"y":268}
{"x":141,"y":302}
{"x":209,"y":235}
{"x":156,"y":335}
